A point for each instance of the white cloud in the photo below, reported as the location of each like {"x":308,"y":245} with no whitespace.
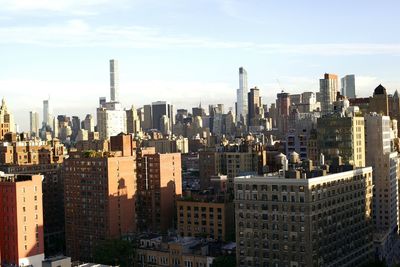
{"x":51,"y":5}
{"x":78,"y":33}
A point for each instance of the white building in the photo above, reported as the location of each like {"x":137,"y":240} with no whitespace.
{"x":384,"y":160}
{"x":241,"y":100}
{"x":111,"y":118}
{"x":328,"y":88}
{"x":348,"y":86}
{"x":34,"y":123}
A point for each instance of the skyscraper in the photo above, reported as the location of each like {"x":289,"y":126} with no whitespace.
{"x":254,"y":105}
{"x":380,"y":154}
{"x":47,"y":113}
{"x":132,"y":120}
{"x":328,"y":87}
{"x":88,"y":123}
{"x":348,"y":86}
{"x":34,"y":123}
{"x":111,"y":118}
{"x":6,"y":120}
{"x":159,"y":109}
{"x":114,"y":80}
{"x":283,"y":112}
{"x":241,"y":100}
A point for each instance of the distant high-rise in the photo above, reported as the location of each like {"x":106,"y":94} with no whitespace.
{"x":132,"y":121}
{"x":6,"y":120}
{"x":88,"y":123}
{"x":254,"y":105}
{"x":241,"y":100}
{"x":34,"y":123}
{"x":348,"y":86}
{"x":114,"y":81}
{"x":111,"y":118}
{"x":102,"y":101}
{"x":47,"y":113}
{"x":283,"y":112}
{"x":159,"y":109}
{"x":147,"y":117}
{"x":328,"y":87}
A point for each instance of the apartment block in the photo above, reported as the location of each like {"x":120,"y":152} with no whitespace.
{"x":21,"y":220}
{"x":208,"y":218}
{"x":342,"y":136}
{"x":176,"y":252}
{"x":159,"y":185}
{"x":305,"y":218}
{"x":99,"y":197}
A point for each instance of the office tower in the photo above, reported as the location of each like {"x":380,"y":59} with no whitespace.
{"x":384,"y":160}
{"x":348,"y":86}
{"x":114,"y":81}
{"x":88,"y":123}
{"x":34,"y":123}
{"x":159,"y":109}
{"x":165,"y":124}
{"x":181,"y":115}
{"x":254,"y":106}
{"x":47,"y":114}
{"x":21,"y":220}
{"x":102,"y":101}
{"x":328,"y":88}
{"x":83,"y":135}
{"x":304,"y":218}
{"x":241,"y":97}
{"x":342,"y":136}
{"x":6,"y":120}
{"x":132,"y":121}
{"x":211,"y":217}
{"x":198,"y":111}
{"x":76,"y":126}
{"x":147,"y":117}
{"x":99,"y":197}
{"x":379,"y":102}
{"x":111,"y":118}
{"x":282,"y":112}
{"x":55,"y":128}
{"x":159,"y":184}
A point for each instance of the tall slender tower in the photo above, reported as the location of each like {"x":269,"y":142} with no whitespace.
{"x":242,"y":108}
{"x":114,"y":80}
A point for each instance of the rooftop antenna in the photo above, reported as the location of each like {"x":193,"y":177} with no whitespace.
{"x":280,"y":85}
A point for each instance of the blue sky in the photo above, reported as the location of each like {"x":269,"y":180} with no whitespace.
{"x":189,"y":51}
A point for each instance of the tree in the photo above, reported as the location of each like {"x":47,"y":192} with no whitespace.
{"x":114,"y":252}
{"x":224,"y":261}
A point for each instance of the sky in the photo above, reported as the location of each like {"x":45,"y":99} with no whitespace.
{"x":188,"y":52}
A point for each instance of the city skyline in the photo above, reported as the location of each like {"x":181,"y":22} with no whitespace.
{"x":53,"y":48}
